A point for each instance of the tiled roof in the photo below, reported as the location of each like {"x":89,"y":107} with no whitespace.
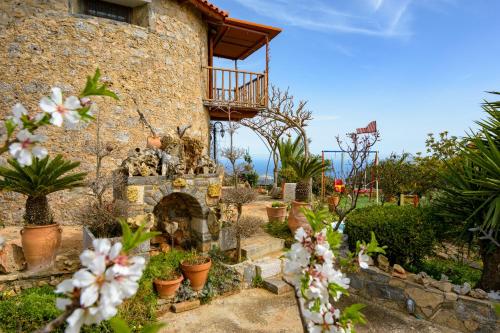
{"x":211,"y":7}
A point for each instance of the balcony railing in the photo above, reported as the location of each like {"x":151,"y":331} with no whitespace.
{"x":236,"y":88}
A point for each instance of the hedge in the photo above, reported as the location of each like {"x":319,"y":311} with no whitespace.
{"x":407,"y":231}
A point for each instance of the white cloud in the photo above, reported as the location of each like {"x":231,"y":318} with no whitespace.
{"x":383,"y":18}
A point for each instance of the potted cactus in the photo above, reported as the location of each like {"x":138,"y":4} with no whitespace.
{"x":41,"y":235}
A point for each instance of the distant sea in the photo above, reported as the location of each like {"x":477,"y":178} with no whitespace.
{"x":260,"y":165}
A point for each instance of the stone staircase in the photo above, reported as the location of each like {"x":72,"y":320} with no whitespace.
{"x":261,"y":246}
{"x":265,"y":254}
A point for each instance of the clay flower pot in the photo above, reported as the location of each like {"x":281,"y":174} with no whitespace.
{"x":154,"y":142}
{"x":296,"y":218}
{"x":276,"y":214}
{"x":197,"y":274}
{"x":40,"y":245}
{"x":334,"y":200}
{"x":168,"y":288}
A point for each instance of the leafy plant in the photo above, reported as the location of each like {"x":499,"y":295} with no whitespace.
{"x":257,"y":281}
{"x":120,"y":326}
{"x":470,"y":196}
{"x":278,"y":204}
{"x":305,"y":168}
{"x":290,"y":150}
{"x":407,"y":230}
{"x":395,"y":176}
{"x":38,"y":180}
{"x":194,"y":258}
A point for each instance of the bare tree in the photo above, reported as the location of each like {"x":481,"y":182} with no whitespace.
{"x":358,"y":148}
{"x":270,"y":130}
{"x":283,"y":109}
{"x":238,"y":197}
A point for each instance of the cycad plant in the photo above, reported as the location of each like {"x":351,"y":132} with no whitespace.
{"x":38,"y":180}
{"x":471,"y":195}
{"x":290,"y":150}
{"x":305,"y":168}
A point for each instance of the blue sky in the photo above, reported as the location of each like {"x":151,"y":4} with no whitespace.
{"x":416,"y":66}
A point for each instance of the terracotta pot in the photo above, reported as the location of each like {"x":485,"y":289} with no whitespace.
{"x":296,"y":218}
{"x":334,"y":200}
{"x":154,"y":142}
{"x":168,"y":288}
{"x":197,"y":274}
{"x":276,"y":214}
{"x":40,"y":245}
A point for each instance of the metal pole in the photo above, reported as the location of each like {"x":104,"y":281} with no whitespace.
{"x":323,"y":176}
{"x":215,"y":144}
{"x":376,"y":178}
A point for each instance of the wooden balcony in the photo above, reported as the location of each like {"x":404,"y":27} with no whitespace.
{"x":234,"y":94}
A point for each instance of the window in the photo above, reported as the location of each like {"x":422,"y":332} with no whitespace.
{"x":107,"y":10}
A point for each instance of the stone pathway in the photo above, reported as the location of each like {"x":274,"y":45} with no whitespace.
{"x":259,"y":311}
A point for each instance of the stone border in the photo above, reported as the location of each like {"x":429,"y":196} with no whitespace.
{"x":459,"y":312}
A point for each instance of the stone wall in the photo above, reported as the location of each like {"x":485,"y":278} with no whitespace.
{"x":42,"y":44}
{"x":444,"y":307}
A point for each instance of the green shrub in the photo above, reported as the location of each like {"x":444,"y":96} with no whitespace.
{"x":251,"y":177}
{"x":280,"y":230}
{"x":407,"y":231}
{"x":457,"y":272}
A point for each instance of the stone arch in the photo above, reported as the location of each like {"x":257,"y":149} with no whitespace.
{"x":189,"y":214}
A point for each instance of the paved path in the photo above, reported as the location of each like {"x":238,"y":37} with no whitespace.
{"x":259,"y":311}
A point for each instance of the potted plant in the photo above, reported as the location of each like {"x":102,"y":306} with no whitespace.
{"x":277,"y":212}
{"x":334,"y":199}
{"x":305,"y":168}
{"x":167,"y":281}
{"x":196,"y":267}
{"x":41,"y":236}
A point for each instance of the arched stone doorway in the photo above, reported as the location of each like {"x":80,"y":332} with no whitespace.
{"x":186,"y":211}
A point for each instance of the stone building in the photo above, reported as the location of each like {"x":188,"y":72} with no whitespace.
{"x":158,"y":53}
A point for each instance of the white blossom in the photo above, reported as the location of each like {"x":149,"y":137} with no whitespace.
{"x":61,"y":112}
{"x":26,"y":147}
{"x":363,"y":260}
{"x":310,"y":261}
{"x":17,"y":112}
{"x":107,"y":278}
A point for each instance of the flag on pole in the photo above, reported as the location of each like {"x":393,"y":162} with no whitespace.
{"x":371,"y":128}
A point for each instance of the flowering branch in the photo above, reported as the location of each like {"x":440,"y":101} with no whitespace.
{"x":313,"y":266}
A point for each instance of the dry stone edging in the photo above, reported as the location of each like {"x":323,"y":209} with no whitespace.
{"x":433,"y":299}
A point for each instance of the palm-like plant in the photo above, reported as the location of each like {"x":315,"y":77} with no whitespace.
{"x":38,"y":180}
{"x":290,"y":151}
{"x":305,"y":168}
{"x":471,"y":196}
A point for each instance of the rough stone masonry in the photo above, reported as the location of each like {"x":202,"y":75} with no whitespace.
{"x":45,"y":43}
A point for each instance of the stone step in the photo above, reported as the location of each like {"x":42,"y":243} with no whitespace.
{"x":268,"y":268}
{"x":276,"y":285}
{"x":261,"y":246}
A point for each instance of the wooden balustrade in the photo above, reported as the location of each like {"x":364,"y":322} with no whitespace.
{"x":236,"y":88}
